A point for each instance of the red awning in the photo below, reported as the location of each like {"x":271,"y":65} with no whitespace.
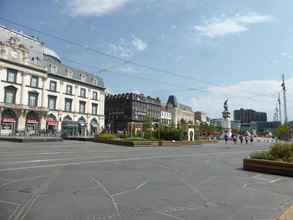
{"x":8,"y":120}
{"x":32,"y":121}
{"x":51,"y":121}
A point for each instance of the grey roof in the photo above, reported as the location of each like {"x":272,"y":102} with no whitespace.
{"x":48,"y":58}
{"x":71,"y":73}
{"x":172,"y":100}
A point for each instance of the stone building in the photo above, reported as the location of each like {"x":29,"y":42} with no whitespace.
{"x":40,"y":94}
{"x":127,"y":112}
{"x":166,"y":117}
{"x":179,"y":111}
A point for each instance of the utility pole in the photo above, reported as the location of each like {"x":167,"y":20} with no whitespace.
{"x":284,"y":97}
{"x":280,"y":108}
{"x":276,"y":113}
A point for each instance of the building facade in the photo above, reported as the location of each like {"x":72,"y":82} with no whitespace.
{"x":40,"y":94}
{"x":166,"y":117}
{"x":249,"y":115}
{"x":179,"y":111}
{"x":127,"y":112}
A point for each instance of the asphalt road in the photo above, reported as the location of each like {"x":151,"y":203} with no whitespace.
{"x":89,"y":181}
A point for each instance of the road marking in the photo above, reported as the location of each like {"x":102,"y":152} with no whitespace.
{"x":117,"y":160}
{"x":9,"y":203}
{"x":131,"y":190}
{"x":171,"y":216}
{"x":275,"y":180}
{"x":109,"y":195}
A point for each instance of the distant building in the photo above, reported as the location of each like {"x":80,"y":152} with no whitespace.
{"x":127,"y":112}
{"x":179,"y":111}
{"x":264,"y":126}
{"x":236,"y":125}
{"x":200,"y":116}
{"x":166,"y":117}
{"x":217,"y":122}
{"x":249,"y":115}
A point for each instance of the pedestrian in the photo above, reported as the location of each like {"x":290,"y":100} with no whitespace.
{"x":246,"y":139}
{"x":226,"y":138}
{"x":234,"y":137}
{"x":241,"y":138}
{"x":251,"y":139}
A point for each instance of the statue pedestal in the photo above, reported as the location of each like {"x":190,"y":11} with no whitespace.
{"x":227,"y":127}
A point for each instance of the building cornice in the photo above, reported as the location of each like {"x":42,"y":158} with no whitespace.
{"x":23,"y":65}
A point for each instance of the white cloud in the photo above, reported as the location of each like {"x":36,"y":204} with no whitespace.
{"x":127,"y":48}
{"x":94,"y":7}
{"x":259,"y":95}
{"x":217,"y":27}
{"x":139,"y":44}
{"x":122,"y":49}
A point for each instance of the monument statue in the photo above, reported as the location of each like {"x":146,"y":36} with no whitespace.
{"x":226,"y":119}
{"x":226,"y":105}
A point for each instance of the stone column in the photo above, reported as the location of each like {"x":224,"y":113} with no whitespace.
{"x":43,"y":92}
{"x":21,"y":120}
{"x":21,"y":101}
{"x":43,"y":121}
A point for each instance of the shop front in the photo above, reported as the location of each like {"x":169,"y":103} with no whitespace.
{"x":52,"y":124}
{"x":32,"y":125}
{"x":82,"y":127}
{"x":94,"y":127}
{"x":8,"y":123}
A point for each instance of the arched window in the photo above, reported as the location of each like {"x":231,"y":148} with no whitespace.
{"x":10,"y":94}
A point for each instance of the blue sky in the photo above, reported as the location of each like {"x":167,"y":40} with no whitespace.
{"x":240,"y":47}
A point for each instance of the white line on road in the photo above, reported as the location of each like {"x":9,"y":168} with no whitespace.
{"x":118,"y":160}
{"x":169,"y":215}
{"x":9,"y":203}
{"x":109,"y":195}
{"x":131,"y":190}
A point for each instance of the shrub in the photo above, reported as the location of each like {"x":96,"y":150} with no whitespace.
{"x":261,"y":155}
{"x":106,"y":136}
{"x":282,"y":152}
{"x":170,"y":134}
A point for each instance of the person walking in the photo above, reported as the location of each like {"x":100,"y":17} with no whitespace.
{"x":226,"y":138}
{"x":251,"y":139}
{"x":241,"y":138}
{"x":246,"y":139}
{"x":234,"y":137}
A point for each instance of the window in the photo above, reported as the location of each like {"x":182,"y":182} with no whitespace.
{"x":95,"y":96}
{"x":68,"y":105}
{"x":53,"y":86}
{"x":82,"y":92}
{"x":11,"y":75}
{"x":10,"y":93}
{"x":69,"y":89}
{"x":33,"y":99}
{"x":81,"y":107}
{"x":34,"y":81}
{"x":94,"y":109}
{"x":52,"y":102}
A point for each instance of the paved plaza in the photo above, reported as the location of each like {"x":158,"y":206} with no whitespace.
{"x":73,"y":180}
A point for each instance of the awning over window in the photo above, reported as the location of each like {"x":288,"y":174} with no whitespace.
{"x":51,"y":121}
{"x":8,"y":120}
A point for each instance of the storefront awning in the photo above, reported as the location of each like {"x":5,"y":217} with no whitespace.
{"x":52,"y":122}
{"x":31,"y":121}
{"x":8,"y":120}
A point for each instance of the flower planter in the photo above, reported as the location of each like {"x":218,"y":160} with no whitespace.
{"x":270,"y":167}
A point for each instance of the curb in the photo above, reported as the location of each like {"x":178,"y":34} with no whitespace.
{"x":287,"y":214}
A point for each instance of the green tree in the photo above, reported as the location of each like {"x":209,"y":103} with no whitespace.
{"x":147,"y":127}
{"x":282,"y":132}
